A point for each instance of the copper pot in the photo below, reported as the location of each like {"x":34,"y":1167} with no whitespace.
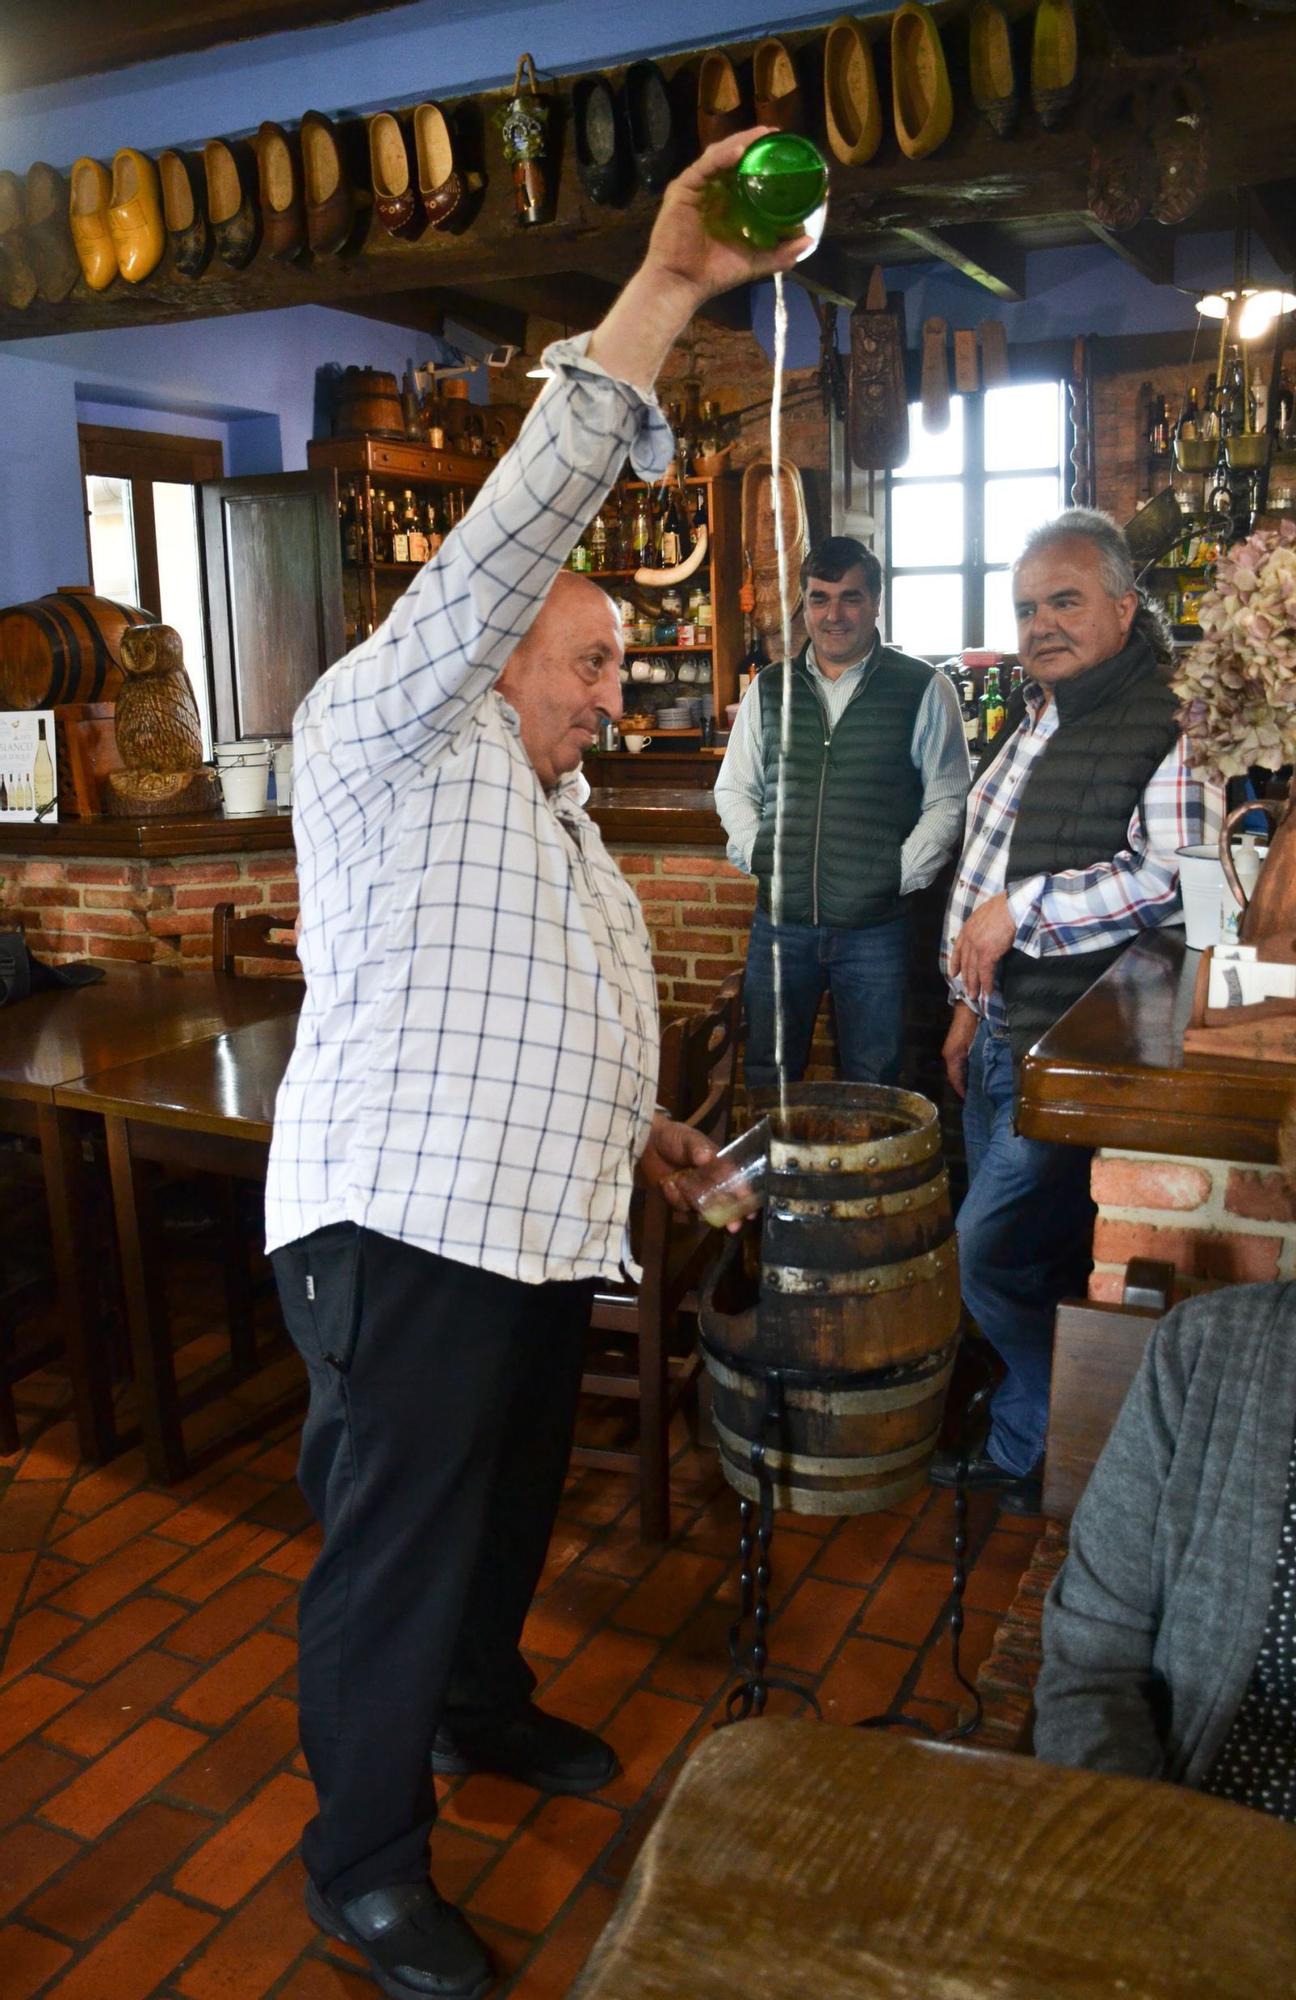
{"x":1271,"y":909}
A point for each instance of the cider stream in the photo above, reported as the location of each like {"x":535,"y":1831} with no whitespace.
{"x":785,"y":711}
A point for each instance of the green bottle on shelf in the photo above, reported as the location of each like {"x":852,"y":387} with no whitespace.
{"x":778,"y":189}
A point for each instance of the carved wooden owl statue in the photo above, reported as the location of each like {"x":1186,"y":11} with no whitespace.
{"x":159,"y":736}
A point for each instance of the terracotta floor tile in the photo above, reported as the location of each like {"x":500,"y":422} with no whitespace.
{"x":283,"y":1508}
{"x":293,"y":1558}
{"x":97,"y":1590}
{"x":324,"y":1979}
{"x":487,"y":1805}
{"x":660,"y":1604}
{"x":16,"y":1566}
{"x":539,"y":1870}
{"x":276,"y":1461}
{"x":908,"y":1602}
{"x":225,"y":1769}
{"x":109,"y":1531}
{"x":103,"y":1647}
{"x":35,"y":1635}
{"x":29,"y":1960}
{"x":619,"y":1552}
{"x":29,"y":1855}
{"x":219,"y":1561}
{"x":459,"y":1859}
{"x":993,"y":1580}
{"x":216,"y":1697}
{"x":228,"y":1616}
{"x":864,"y":1679}
{"x":808,"y":1627}
{"x":28,"y":1775}
{"x":645,"y":1732}
{"x":257,"y":1945}
{"x":54,"y":1455}
{"x":566,"y":1546}
{"x":861,"y":1549}
{"x":146,"y":1682}
{"x":560,"y":1620}
{"x":696,"y":1662}
{"x":936,"y":1682}
{"x":597,"y":1497}
{"x":932,"y":1534}
{"x":106,"y":1483}
{"x":27,"y":1704}
{"x":138,"y":1954}
{"x":121,"y":1778}
{"x":217,"y":1507}
{"x":115,"y":1871}
{"x":551,"y":1974}
{"x":49,"y":1574}
{"x":243,"y":1851}
{"x":589,"y":1687}
{"x":28,"y":1511}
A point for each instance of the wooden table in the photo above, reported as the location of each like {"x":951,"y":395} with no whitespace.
{"x":52,"y":1040}
{"x":1113,"y":1071}
{"x":797,"y":1858}
{"x":206,"y":1106}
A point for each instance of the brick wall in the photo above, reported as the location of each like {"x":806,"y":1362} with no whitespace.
{"x":1215,"y":1221}
{"x":152,"y":912}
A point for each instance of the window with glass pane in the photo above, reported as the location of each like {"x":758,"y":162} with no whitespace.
{"x":959,"y":510}
{"x":112,"y":539}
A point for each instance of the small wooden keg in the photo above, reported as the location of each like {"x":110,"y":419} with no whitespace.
{"x":840,"y":1367}
{"x":368,"y":405}
{"x":63,"y":648}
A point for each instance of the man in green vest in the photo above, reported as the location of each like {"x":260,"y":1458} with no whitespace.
{"x":874,"y":786}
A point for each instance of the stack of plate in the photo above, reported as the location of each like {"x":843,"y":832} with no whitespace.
{"x":678,"y":716}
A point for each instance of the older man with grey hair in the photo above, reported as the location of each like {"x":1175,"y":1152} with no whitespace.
{"x":1074,"y":822}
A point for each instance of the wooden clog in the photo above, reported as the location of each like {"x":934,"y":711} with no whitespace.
{"x":719,"y":107}
{"x":49,"y":240}
{"x":996,"y":91}
{"x":184,"y":211}
{"x":135,"y":215}
{"x":994,"y":354}
{"x":279,"y":179}
{"x":396,"y":201}
{"x":775,"y":87}
{"x":88,"y":199}
{"x":1055,"y":63}
{"x":877,"y":399}
{"x":921,"y":99}
{"x":852,"y":103}
{"x":231,"y":200}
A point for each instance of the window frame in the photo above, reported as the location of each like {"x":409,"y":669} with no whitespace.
{"x":110,"y":452}
{"x":973,"y":480}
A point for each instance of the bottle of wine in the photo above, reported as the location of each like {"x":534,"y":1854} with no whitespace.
{"x":42,"y":770}
{"x":1190,"y":417}
{"x":641,"y":533}
{"x":992,"y":708}
{"x":432,"y":527}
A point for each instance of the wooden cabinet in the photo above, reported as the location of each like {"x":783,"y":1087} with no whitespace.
{"x":720,"y":577}
{"x":367,"y":471}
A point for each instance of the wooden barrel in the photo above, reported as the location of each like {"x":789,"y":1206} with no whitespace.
{"x":63,"y":648}
{"x":368,"y":405}
{"x":840,"y":1365}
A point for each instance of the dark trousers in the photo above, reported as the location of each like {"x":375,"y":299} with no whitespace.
{"x":442,"y":1401}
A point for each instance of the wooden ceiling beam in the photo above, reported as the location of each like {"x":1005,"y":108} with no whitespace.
{"x":986,"y":256}
{"x":1271,"y":210}
{"x":1148,"y":249}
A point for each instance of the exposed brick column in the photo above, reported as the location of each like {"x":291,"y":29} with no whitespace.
{"x":1216,"y":1222}
{"x":152,"y":912}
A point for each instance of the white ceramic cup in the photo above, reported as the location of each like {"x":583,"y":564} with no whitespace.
{"x":660,"y":672}
{"x":1201,"y":881}
{"x":636,"y":743}
{"x":641,"y":670}
{"x":244,"y":775}
{"x":283,"y":770}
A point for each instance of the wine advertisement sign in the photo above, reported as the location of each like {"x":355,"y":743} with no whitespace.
{"x":28,"y":770}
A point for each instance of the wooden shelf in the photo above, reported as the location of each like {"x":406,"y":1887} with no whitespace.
{"x":386,"y":460}
{"x":670,"y":649}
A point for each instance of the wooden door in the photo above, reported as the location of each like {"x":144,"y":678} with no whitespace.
{"x":274,"y":595}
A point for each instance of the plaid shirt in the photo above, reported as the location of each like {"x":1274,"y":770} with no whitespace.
{"x":1078,"y":909}
{"x":476,"y":1065}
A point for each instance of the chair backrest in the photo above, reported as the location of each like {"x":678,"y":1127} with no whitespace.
{"x":1096,"y":1353}
{"x":699,"y":1063}
{"x":247,"y":936}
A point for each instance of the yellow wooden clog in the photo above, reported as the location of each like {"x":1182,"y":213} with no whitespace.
{"x":1054,"y":61}
{"x":135,"y":216}
{"x":921,"y":98}
{"x":91,"y":192}
{"x":852,"y":106}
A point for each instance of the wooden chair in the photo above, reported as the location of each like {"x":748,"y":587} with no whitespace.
{"x":248,"y":936}
{"x":697,"y":1083}
{"x":1096,"y":1353}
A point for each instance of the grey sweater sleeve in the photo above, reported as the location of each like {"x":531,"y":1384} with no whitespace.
{"x":1096,"y":1698}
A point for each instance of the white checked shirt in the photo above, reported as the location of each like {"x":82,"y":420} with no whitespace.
{"x":476,"y":1065}
{"x":1078,"y":909}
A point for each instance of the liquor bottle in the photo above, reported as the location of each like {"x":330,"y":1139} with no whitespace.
{"x":1210,"y":427}
{"x":4,"y":794}
{"x":42,"y":770}
{"x":779,"y":189}
{"x":432,"y":527}
{"x":349,"y":507}
{"x":708,"y":443}
{"x":1015,"y":678}
{"x":673,"y":532}
{"x":992,"y":708}
{"x":598,"y":543}
{"x":399,"y":535}
{"x":641,"y":533}
{"x":1190,"y":416}
{"x":579,"y":559}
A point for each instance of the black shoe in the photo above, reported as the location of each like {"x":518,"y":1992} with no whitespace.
{"x":536,"y":1749}
{"x":1019,"y":1493}
{"x":650,"y":121}
{"x":601,"y":143}
{"x":416,"y":1945}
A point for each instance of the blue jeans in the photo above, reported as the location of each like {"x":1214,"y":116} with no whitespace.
{"x":1025,"y":1237}
{"x":866,"y":972}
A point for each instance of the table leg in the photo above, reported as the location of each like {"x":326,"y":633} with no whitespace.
{"x":146,"y":1313}
{"x":236,"y":1270}
{"x":87,"y":1348}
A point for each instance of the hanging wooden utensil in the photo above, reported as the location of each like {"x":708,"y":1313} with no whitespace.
{"x":524,"y":125}
{"x":758,"y":536}
{"x":935,"y":375}
{"x":994,"y":354}
{"x":878,"y":400}
{"x":967,"y":374}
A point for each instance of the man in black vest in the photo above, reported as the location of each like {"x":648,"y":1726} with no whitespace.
{"x":1074,"y":820}
{"x":873,"y":807}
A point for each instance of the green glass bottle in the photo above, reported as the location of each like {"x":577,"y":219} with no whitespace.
{"x":778,"y":189}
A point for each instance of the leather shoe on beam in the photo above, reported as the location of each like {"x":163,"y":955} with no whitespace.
{"x":602,"y":155}
{"x":534,"y":1748}
{"x":231,"y":200}
{"x":334,"y":203}
{"x":279,"y":179}
{"x":184,"y":210}
{"x":719,"y":107}
{"x":775,"y":87}
{"x":416,"y":1945}
{"x":396,"y":202}
{"x":49,"y":240}
{"x":650,"y":121}
{"x":18,"y":283}
{"x":443,"y":185}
